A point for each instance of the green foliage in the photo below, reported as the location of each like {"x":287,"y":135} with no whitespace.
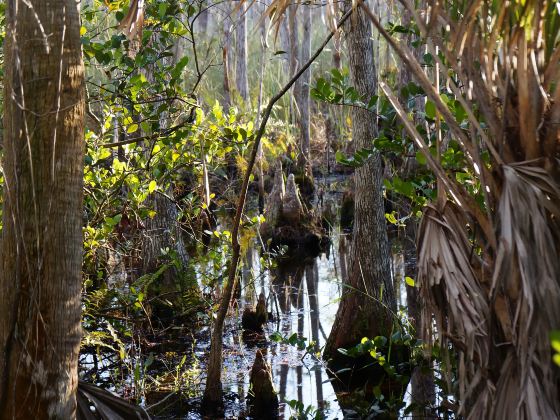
{"x":293,"y":340}
{"x":298,"y":411}
{"x":555,"y":342}
{"x":336,"y":90}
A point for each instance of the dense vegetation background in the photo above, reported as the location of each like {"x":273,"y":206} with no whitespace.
{"x":153,"y":151}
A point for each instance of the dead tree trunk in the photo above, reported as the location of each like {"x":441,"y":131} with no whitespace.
{"x":40,"y":276}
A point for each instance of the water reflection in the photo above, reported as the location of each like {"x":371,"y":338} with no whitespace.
{"x":303,"y":297}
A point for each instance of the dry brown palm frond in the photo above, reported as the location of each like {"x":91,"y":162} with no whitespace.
{"x":529,"y":212}
{"x":527,"y":271}
{"x":453,"y":289}
{"x":520,"y":396}
{"x":107,"y":405}
{"x":133,"y":22}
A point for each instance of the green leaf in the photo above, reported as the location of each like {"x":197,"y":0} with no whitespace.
{"x":391,"y":218}
{"x":428,"y":59}
{"x":430,"y":110}
{"x":409,"y":281}
{"x":132,"y":128}
{"x":420,"y":158}
{"x":152,"y":187}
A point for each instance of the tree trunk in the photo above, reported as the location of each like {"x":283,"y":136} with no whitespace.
{"x":162,"y":230}
{"x":226,"y":46}
{"x":203,"y":19}
{"x":241,"y":79}
{"x":40,"y":278}
{"x":422,"y":379}
{"x":366,"y":305}
{"x":303,"y":95}
{"x":293,"y":58}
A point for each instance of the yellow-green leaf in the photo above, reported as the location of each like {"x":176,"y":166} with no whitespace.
{"x":152,"y":187}
{"x":409,"y":281}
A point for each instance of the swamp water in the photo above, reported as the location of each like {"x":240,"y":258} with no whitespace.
{"x":302,"y":296}
{"x":303,"y":299}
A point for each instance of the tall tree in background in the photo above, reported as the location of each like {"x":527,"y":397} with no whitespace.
{"x":368,"y":300}
{"x":303,"y":117}
{"x":40,"y":277}
{"x":241,"y":79}
{"x":162,"y":230}
{"x":226,"y":53}
{"x":293,"y":53}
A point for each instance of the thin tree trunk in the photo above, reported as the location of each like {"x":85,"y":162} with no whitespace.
{"x":366,"y":305}
{"x":40,"y":277}
{"x":226,"y":47}
{"x":294,"y":58}
{"x":312,"y":280}
{"x":203,"y":19}
{"x":260,"y":156}
{"x":241,"y":80}
{"x":303,"y":95}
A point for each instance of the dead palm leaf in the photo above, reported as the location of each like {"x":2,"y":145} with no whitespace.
{"x":107,"y":405}
{"x":133,"y":22}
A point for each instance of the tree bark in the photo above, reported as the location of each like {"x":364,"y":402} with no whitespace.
{"x":368,"y":299}
{"x":303,"y":94}
{"x":40,"y":277}
{"x":162,"y":230}
{"x":241,"y":80}
{"x":226,"y":46}
{"x":293,"y":57}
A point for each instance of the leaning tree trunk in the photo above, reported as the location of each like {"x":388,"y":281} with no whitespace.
{"x":40,"y":277}
{"x":368,"y":299}
{"x":241,"y":79}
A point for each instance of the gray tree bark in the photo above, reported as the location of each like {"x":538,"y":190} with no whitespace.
{"x":293,"y":57}
{"x":303,"y":94}
{"x":40,"y":276}
{"x":226,"y":47}
{"x":366,"y":305}
{"x":241,"y":79}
